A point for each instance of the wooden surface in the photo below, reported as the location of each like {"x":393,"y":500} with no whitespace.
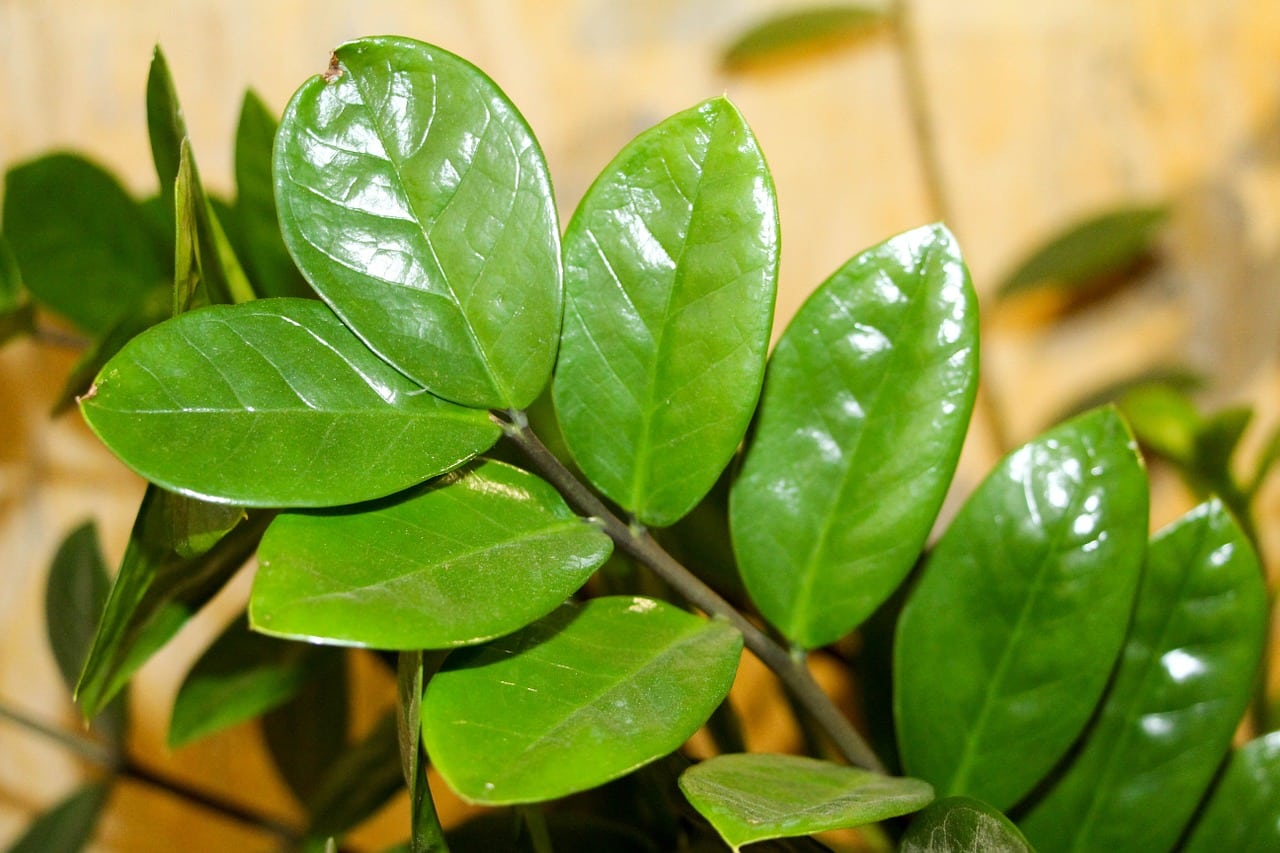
{"x":1040,"y":112}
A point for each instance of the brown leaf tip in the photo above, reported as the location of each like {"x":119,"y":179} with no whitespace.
{"x":88,"y":395}
{"x":334,"y":71}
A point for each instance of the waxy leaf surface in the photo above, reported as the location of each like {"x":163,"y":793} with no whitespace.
{"x":670,"y":270}
{"x":866,"y":403}
{"x":416,"y":201}
{"x":752,"y":797}
{"x":583,"y":696}
{"x":274,"y":403}
{"x":1005,"y":645}
{"x":962,"y":825}
{"x":1183,"y":682}
{"x":1243,"y":813}
{"x":469,"y":557}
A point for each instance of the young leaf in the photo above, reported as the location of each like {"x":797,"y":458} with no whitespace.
{"x":752,"y":797}
{"x":671,"y":264}
{"x":307,"y":734}
{"x":207,"y":271}
{"x":358,"y":783}
{"x":466,"y":558}
{"x":1183,"y":682}
{"x":274,"y":403}
{"x":166,"y":126}
{"x":69,"y":826}
{"x":962,"y":825}
{"x":586,"y":695}
{"x":1005,"y":645}
{"x":866,"y":402}
{"x":785,"y":32}
{"x":1243,"y":813}
{"x":416,"y":201}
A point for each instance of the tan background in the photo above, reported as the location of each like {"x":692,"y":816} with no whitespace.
{"x":1040,"y":112}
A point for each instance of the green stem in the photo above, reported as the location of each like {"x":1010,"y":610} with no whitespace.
{"x":641,"y":545}
{"x":536,"y":823}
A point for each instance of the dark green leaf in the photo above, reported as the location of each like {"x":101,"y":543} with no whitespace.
{"x":962,"y":825}
{"x":1183,"y":682}
{"x":206,"y":270}
{"x":306,"y":735}
{"x":84,"y":246}
{"x":786,"y":32}
{"x":1243,"y":814}
{"x":584,"y":696}
{"x":865,"y":407}
{"x":68,"y":827}
{"x":1005,"y":646}
{"x":166,"y":127}
{"x":416,"y":201}
{"x":274,"y":403}
{"x":752,"y":797}
{"x":671,"y":263}
{"x":17,"y":314}
{"x":358,"y":784}
{"x":464,"y":559}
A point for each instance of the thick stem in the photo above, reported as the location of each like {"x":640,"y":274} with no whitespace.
{"x":643,"y":547}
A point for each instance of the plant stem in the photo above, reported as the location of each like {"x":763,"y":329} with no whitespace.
{"x":638,"y":542}
{"x":536,"y":823}
{"x":87,"y":748}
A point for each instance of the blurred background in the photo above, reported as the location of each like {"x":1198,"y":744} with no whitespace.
{"x":1011,"y":120}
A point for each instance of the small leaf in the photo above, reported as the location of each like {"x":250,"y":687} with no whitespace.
{"x":207,"y":271}
{"x":307,"y":734}
{"x":417,"y":202}
{"x":274,"y":403}
{"x":69,"y":826}
{"x":753,"y":797}
{"x":1183,"y":683}
{"x":786,"y":32}
{"x":166,"y":126}
{"x":671,"y":264}
{"x":1005,"y":645}
{"x":359,"y":783}
{"x":962,"y":825}
{"x":17,"y":313}
{"x":463,"y":559}
{"x":830,"y":510}
{"x":412,"y":671}
{"x":1243,"y":813}
{"x":586,"y":695}
{"x":1164,"y":419}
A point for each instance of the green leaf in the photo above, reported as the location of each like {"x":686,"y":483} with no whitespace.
{"x":17,"y":313}
{"x":1184,"y":681}
{"x":463,"y":559}
{"x":865,"y":407}
{"x":962,"y":825}
{"x":1164,"y":419}
{"x":1005,"y":645}
{"x":671,"y":264}
{"x":1243,"y":813}
{"x":164,"y":578}
{"x":359,"y":783}
{"x":1106,"y":243}
{"x":811,"y":27}
{"x":206,"y":270}
{"x":69,"y":826}
{"x":586,"y":695}
{"x":84,"y":246}
{"x":752,"y":797}
{"x":307,"y":734}
{"x":417,"y":202}
{"x":166,"y":126}
{"x":412,"y":670}
{"x":274,"y":403}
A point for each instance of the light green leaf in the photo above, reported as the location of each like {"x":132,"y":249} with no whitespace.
{"x":752,"y":797}
{"x":1184,"y":681}
{"x":206,"y":270}
{"x":1243,"y":813}
{"x":586,"y":695}
{"x":69,"y":826}
{"x":417,"y":202}
{"x":466,"y":558}
{"x":671,"y":264}
{"x":962,"y":825}
{"x":1164,"y":418}
{"x":358,"y":783}
{"x":307,"y":734}
{"x":866,"y":403}
{"x":274,"y":403}
{"x":809,"y":27}
{"x":1005,"y":645}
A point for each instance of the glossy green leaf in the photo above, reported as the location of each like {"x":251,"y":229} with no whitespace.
{"x":466,"y":558}
{"x":169,"y":571}
{"x":1005,"y":645}
{"x":586,"y":695}
{"x":274,"y":403}
{"x":829,"y":513}
{"x":417,"y":202}
{"x":166,"y":126}
{"x":1184,"y":680}
{"x":1103,"y":244}
{"x":962,"y":825}
{"x":85,"y":247}
{"x":206,"y":269}
{"x":69,"y":826}
{"x":752,"y":797}
{"x":1243,"y":813}
{"x":360,"y":782}
{"x":307,"y":734}
{"x":671,"y":264}
{"x":810,"y":27}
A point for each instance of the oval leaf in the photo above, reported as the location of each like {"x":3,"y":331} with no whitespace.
{"x":752,"y":797}
{"x":1243,"y":814}
{"x":586,"y":695}
{"x":962,"y":825}
{"x":416,"y":201}
{"x":1184,"y":680}
{"x":1005,"y":646}
{"x":865,"y":407}
{"x":670,"y":270}
{"x":274,"y":403}
{"x":469,"y":557}
{"x":787,"y":32}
